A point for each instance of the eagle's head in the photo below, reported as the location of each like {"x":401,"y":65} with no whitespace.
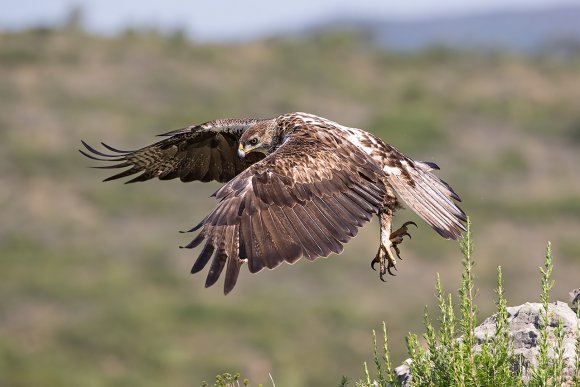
{"x":261,"y":137}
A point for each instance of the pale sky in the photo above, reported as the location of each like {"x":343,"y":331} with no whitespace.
{"x":239,"y":19}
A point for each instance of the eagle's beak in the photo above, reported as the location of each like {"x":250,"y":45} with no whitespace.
{"x":241,"y":152}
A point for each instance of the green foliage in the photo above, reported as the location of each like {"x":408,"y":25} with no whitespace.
{"x":382,"y":361}
{"x":228,"y":380}
{"x":468,"y":320}
{"x":549,"y":369}
{"x":496,"y":352}
{"x":448,"y":360}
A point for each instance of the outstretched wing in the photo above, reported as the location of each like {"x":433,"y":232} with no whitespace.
{"x":430,"y":197}
{"x":203,"y":152}
{"x":306,"y":199}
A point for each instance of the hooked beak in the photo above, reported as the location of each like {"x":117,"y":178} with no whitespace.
{"x":241,"y":152}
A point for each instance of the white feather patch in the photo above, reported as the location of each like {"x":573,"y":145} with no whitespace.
{"x":356,"y":137}
{"x":392,"y":170}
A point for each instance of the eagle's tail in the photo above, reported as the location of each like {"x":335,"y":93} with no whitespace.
{"x":430,"y":197}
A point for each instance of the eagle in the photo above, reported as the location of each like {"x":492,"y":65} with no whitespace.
{"x":297,"y":185}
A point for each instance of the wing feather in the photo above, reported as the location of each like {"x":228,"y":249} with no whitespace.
{"x":258,"y":245}
{"x":337,"y":213}
{"x":234,"y":262}
{"x":323,"y":242}
{"x":295,"y":245}
{"x":330,"y":223}
{"x":203,"y":152}
{"x":303,"y":234}
{"x":203,"y":257}
{"x":326,"y":232}
{"x":335,"y":207}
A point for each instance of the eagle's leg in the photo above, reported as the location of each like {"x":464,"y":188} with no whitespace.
{"x":385,"y":257}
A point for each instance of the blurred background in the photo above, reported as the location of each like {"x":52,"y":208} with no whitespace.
{"x":93,"y":288}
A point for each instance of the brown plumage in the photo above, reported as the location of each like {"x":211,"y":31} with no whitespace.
{"x":296,"y":185}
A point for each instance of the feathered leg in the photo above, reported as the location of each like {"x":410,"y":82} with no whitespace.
{"x":385,"y":257}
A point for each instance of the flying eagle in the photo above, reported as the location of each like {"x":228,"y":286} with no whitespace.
{"x":295,"y":185}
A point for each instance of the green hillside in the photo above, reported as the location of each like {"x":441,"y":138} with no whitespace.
{"x":93,"y":288}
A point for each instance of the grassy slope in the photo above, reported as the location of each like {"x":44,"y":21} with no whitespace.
{"x":93,"y":289}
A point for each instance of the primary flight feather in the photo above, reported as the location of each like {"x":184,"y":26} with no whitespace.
{"x":295,"y":185}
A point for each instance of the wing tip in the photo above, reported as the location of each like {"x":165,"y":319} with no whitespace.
{"x":452,"y":233}
{"x":429,"y":165}
{"x":121,"y":157}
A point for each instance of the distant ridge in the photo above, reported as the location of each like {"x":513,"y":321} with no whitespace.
{"x":526,"y":30}
{"x":520,"y":30}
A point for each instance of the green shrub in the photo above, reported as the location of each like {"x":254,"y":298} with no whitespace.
{"x":227,"y":380}
{"x":233,"y":380}
{"x":450,"y":359}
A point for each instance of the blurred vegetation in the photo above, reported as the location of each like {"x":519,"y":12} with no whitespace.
{"x":93,"y":289}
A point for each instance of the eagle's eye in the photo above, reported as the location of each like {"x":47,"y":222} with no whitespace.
{"x":253,"y":141}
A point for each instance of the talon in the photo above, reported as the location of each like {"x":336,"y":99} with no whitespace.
{"x":388,"y":249}
{"x":397,"y":251}
{"x":397,"y":236}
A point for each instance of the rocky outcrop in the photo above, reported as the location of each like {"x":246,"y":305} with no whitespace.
{"x":575,"y":299}
{"x":524,"y":327}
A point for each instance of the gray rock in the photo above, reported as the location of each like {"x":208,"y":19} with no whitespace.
{"x":575,"y":299}
{"x":524,"y":326}
{"x":524,"y":323}
{"x":403,"y":373}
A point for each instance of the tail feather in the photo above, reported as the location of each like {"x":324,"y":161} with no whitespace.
{"x":430,"y":197}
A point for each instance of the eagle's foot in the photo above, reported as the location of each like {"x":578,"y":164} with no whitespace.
{"x":396,"y":237}
{"x":385,"y":257}
{"x":386,"y":261}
